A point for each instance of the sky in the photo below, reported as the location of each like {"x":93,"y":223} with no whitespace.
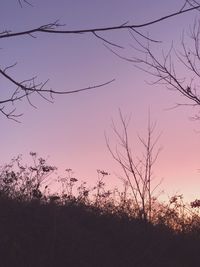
{"x":70,"y":132}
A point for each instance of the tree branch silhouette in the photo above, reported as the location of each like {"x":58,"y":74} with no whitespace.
{"x":26,"y":88}
{"x":165,"y":68}
{"x":53,"y":27}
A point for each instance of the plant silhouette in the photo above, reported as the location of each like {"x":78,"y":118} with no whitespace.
{"x":90,"y":228}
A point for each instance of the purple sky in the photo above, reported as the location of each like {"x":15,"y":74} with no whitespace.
{"x":71,"y":131}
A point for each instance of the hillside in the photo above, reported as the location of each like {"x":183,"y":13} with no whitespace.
{"x":73,"y":234}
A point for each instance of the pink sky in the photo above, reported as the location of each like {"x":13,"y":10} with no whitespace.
{"x":71,"y":131}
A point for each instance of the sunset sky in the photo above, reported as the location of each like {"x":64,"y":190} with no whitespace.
{"x":70,"y":132}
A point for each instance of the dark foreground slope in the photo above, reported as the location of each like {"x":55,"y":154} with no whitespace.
{"x":47,"y":235}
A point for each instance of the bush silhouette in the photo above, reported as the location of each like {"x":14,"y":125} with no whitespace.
{"x":79,"y":230}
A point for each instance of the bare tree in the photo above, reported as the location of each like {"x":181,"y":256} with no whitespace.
{"x":138,"y":171}
{"x":25,"y":89}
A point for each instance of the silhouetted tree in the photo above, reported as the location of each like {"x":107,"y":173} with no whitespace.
{"x":138,"y":171}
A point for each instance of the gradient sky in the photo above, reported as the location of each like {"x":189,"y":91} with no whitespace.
{"x":71,"y":131}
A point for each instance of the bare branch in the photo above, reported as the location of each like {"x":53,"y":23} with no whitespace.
{"x":24,"y":1}
{"x":53,"y":27}
{"x":165,"y":70}
{"x":106,"y":41}
{"x":26,"y":88}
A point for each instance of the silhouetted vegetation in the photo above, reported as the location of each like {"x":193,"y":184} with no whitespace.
{"x":88,"y":226}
